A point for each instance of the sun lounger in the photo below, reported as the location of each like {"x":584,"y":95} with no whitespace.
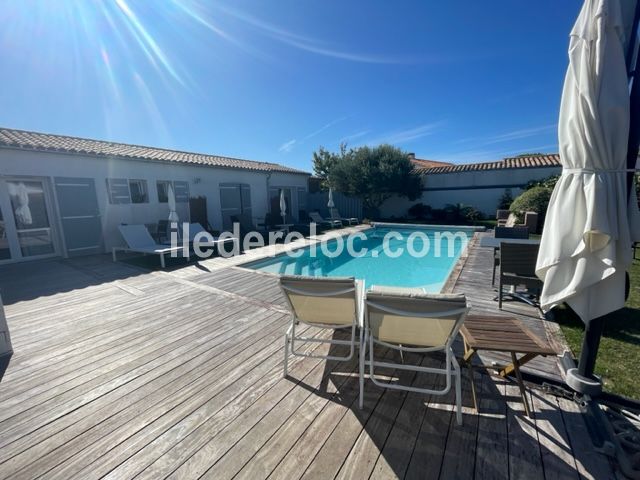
{"x":208,"y":240}
{"x":335,"y":215}
{"x":326,"y":303}
{"x":317,"y":218}
{"x":139,"y":240}
{"x":408,"y":320}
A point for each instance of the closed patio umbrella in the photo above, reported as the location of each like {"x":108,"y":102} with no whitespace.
{"x":330,"y":203}
{"x":171,"y":199}
{"x":173,"y":215}
{"x":283,"y":206}
{"x":590,"y":223}
{"x":22,"y":211}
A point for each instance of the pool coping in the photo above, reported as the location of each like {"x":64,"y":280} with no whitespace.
{"x":447,"y":287}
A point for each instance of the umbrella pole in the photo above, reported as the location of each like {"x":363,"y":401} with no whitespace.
{"x":594,"y":329}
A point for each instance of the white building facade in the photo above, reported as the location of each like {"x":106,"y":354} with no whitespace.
{"x":480,"y":185}
{"x":64,"y":196}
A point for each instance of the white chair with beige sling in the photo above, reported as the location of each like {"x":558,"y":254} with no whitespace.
{"x":325,"y":303}
{"x":410,"y":320}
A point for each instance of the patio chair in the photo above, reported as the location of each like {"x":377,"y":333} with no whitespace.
{"x":530,"y":221}
{"x":335,"y":215}
{"x":317,"y":218}
{"x":325,"y":303}
{"x":506,"y":232}
{"x":409,"y":320}
{"x":518,"y":267}
{"x":139,"y":240}
{"x":501,"y":217}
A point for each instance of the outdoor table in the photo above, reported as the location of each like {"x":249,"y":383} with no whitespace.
{"x":502,"y":334}
{"x":493,"y":242}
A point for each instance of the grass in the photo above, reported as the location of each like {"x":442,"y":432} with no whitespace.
{"x":619,"y":353}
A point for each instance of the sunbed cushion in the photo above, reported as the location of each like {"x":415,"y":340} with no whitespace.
{"x":321,"y":300}
{"x":402,"y":316}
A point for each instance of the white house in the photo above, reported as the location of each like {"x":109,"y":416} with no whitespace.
{"x":65,"y":196}
{"x":480,"y":185}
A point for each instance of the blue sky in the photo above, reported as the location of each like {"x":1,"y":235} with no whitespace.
{"x":460,"y":81}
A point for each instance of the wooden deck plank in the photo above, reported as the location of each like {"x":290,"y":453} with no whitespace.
{"x":210,"y":370}
{"x":191,"y":455}
{"x":590,"y":464}
{"x":219,"y":391}
{"x":376,"y":439}
{"x":427,"y":456}
{"x":492,"y":449}
{"x":396,"y":454}
{"x":374,"y":418}
{"x":557,"y":459}
{"x":525,"y":459}
{"x":334,"y":374}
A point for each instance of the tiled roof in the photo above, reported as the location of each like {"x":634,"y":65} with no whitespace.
{"x":530,"y":161}
{"x":22,"y":139}
{"x":421,"y":163}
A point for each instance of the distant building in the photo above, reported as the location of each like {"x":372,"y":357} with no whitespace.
{"x":65,"y":196}
{"x":479,"y":185}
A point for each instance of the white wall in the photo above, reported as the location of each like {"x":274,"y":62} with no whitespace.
{"x":203,"y":181}
{"x":480,"y":189}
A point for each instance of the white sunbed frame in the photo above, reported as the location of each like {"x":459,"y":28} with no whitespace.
{"x":367,"y":341}
{"x":290,"y":336}
{"x":142,"y":243}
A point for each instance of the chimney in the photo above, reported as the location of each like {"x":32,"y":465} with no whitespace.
{"x":411,"y":155}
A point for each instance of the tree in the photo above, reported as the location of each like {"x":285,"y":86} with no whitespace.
{"x":372,"y":174}
{"x":505,"y":200}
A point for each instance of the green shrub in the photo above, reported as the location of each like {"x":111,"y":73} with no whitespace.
{"x":536,"y":199}
{"x":549,"y":182}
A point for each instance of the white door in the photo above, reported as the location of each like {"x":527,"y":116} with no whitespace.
{"x":26,"y":220}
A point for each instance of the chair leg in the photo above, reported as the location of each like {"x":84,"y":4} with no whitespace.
{"x":493,"y":274}
{"x":363,"y":348}
{"x":500,"y":294}
{"x":456,"y":370}
{"x":286,"y":355}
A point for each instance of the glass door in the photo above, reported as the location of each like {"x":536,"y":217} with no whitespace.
{"x":25,"y":220}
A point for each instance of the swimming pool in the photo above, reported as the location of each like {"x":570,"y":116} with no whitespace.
{"x":381,"y":264}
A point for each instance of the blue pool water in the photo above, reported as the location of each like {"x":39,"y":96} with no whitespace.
{"x":429,"y":271}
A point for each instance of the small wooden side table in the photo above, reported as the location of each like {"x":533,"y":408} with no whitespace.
{"x":502,"y":334}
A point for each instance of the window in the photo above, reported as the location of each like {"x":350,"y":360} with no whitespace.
{"x":139,"y":192}
{"x":163,"y":191}
{"x":118,"y":189}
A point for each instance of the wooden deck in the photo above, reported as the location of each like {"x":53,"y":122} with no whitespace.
{"x":122,"y":373}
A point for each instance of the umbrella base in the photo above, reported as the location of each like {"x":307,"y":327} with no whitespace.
{"x":591,"y":386}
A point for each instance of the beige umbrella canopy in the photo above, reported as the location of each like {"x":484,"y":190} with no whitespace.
{"x":589,"y":228}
